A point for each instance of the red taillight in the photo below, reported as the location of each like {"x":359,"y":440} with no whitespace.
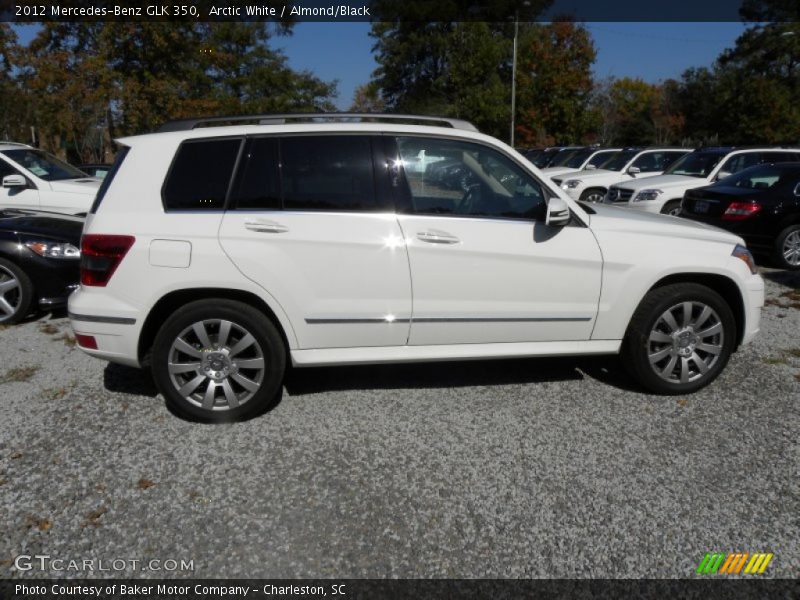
{"x":101,"y":255}
{"x":737,"y":211}
{"x":86,"y":341}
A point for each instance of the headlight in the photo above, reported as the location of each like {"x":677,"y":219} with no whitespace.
{"x":743,"y":254}
{"x":645,"y":195}
{"x":52,"y":250}
{"x":571,"y":184}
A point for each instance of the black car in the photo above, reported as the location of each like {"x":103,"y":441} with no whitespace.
{"x":39,"y":261}
{"x":98,"y":170}
{"x":761,"y":204}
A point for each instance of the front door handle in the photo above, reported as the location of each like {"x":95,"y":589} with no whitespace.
{"x":434,"y":236}
{"x":265,"y":226}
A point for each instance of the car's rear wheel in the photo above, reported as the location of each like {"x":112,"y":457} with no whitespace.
{"x":16,"y":293}
{"x":219,"y":360}
{"x":593,"y":195}
{"x":672,"y":208}
{"x":787,"y":248}
{"x":680,"y":338}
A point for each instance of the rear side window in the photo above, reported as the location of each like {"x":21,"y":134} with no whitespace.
{"x":101,"y":192}
{"x":200,"y":175}
{"x":328,"y":173}
{"x":258,"y":182}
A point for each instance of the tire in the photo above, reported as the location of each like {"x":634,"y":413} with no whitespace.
{"x":788,"y":241}
{"x":208,"y":381}
{"x":593,"y":195}
{"x":669,"y":360}
{"x":673,"y":207}
{"x":16,"y":293}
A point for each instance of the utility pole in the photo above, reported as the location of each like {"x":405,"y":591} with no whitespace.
{"x":514,"y":77}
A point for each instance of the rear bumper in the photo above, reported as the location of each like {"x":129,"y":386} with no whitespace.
{"x":114,"y":325}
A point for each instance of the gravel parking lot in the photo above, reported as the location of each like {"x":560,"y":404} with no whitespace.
{"x":525,"y":468}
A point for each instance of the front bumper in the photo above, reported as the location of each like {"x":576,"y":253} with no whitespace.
{"x":753,"y":303}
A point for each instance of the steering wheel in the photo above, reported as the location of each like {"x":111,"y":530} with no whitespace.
{"x":469,"y":201}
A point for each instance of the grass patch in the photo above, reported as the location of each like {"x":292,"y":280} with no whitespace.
{"x":775,"y":360}
{"x":69,"y":340}
{"x":55,"y":393}
{"x":48,"y":328}
{"x":19,"y":374}
{"x":93,"y":518}
{"x":793,"y":352}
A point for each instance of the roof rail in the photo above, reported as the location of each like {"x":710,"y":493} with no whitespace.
{"x":280,"y":119}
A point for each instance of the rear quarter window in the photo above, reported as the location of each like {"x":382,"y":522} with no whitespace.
{"x":101,"y":192}
{"x":200,"y":175}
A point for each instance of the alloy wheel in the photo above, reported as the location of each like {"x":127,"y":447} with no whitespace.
{"x":791,"y":248}
{"x":595,"y":197}
{"x":216,"y":364}
{"x":686,"y":342}
{"x":10,"y":294}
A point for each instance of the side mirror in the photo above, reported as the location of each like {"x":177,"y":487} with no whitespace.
{"x":14,"y":181}
{"x":634,"y":171}
{"x":558,"y":213}
{"x":590,"y":167}
{"x":723,"y":175}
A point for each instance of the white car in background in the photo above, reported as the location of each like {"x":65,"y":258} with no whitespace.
{"x":592,"y":185}
{"x":35,"y":180}
{"x":700,"y":168}
{"x":578,"y":160}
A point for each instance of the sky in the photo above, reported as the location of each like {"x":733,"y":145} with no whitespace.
{"x":651,"y":51}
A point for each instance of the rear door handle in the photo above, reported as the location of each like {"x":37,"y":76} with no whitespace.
{"x":265,"y":226}
{"x":434,"y":236}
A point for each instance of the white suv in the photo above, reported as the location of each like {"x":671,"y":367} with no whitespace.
{"x":218,"y":254}
{"x":580,"y":159}
{"x":631,"y":163}
{"x":33,"y":179}
{"x":702,"y":167}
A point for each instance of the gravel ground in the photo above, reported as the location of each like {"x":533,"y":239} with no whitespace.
{"x":527,"y":468}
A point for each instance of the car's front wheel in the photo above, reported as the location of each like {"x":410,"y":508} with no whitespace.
{"x":16,"y":293}
{"x":219,"y":360}
{"x":672,"y":208}
{"x":593,"y":195}
{"x":679,"y":338}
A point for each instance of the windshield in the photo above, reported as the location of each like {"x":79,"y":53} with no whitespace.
{"x":695,"y":164}
{"x":618,"y":160}
{"x":576,"y":159}
{"x":543,"y":160}
{"x":43,"y":165}
{"x":599,"y":158}
{"x":562,"y":158}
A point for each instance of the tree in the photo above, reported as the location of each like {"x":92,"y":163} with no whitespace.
{"x":554,"y":83}
{"x":10,"y":101}
{"x":447,"y":67}
{"x":367,"y":99}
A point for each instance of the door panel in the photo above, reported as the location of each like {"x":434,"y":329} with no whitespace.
{"x":502,"y":281}
{"x":484,"y":267}
{"x":334,"y":257}
{"x":343,"y":279}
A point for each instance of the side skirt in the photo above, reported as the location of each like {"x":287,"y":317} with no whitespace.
{"x":401,"y":354}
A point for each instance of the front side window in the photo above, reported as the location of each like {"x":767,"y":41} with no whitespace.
{"x":599,"y":158}
{"x":6,"y":169}
{"x":45,"y":166}
{"x":200,"y":174}
{"x":463,"y":179}
{"x":651,"y":162}
{"x":332,"y":172}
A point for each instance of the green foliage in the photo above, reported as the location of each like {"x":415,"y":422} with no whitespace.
{"x":554,"y":83}
{"x":85,"y":82}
